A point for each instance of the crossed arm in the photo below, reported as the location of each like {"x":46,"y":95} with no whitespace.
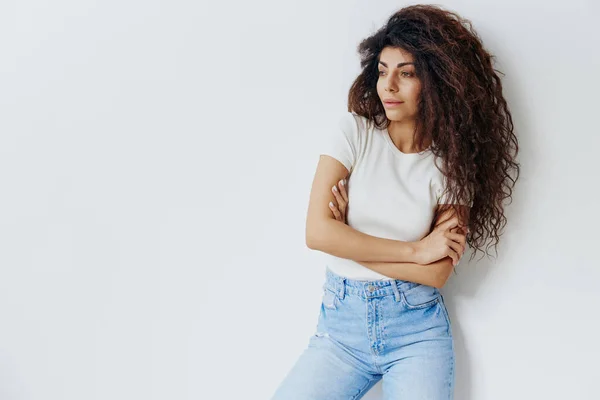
{"x":395,"y":259}
{"x":433,"y":274}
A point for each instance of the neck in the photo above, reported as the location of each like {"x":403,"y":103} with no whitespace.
{"x":402,"y":134}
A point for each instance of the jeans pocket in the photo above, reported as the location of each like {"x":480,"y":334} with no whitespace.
{"x":420,"y":296}
{"x":329,"y":299}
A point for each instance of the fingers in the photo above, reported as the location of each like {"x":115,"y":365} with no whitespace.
{"x":338,"y":207}
{"x":341,"y":201}
{"x":456,"y":244}
{"x":342,"y":189}
{"x":335,"y":211}
{"x":454,"y":255}
{"x":457,"y":237}
{"x":457,"y":247}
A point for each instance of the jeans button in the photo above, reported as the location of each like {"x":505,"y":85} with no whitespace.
{"x":371,"y":288}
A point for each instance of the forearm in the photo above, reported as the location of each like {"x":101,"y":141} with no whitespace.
{"x":434,"y":274}
{"x":341,"y":240}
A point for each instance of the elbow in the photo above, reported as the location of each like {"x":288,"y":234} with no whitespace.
{"x":319,"y":235}
{"x":443,"y":273}
{"x":314,"y":236}
{"x":438,"y":284}
{"x":311,"y":241}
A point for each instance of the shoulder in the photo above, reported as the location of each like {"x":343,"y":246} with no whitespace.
{"x":353,"y":125}
{"x":348,"y":121}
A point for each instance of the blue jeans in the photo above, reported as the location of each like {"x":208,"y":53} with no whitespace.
{"x":398,"y":331}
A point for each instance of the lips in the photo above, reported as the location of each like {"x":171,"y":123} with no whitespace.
{"x":392,"y":103}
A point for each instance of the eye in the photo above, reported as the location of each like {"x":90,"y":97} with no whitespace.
{"x":403,"y":73}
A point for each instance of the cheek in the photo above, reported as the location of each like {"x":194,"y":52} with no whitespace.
{"x":415,"y":91}
{"x":410,"y":93}
{"x":380,"y":90}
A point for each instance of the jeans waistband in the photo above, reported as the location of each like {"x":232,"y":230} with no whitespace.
{"x":366,"y":289}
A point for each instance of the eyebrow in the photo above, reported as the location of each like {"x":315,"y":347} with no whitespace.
{"x":399,"y":64}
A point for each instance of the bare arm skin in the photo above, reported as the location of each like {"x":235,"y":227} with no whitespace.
{"x":338,"y":239}
{"x":434,"y":274}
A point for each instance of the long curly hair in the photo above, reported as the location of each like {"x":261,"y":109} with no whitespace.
{"x":461,"y":108}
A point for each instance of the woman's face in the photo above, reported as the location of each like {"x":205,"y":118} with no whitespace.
{"x":398,"y":82}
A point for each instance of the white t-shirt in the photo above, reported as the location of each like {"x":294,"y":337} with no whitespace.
{"x":391,"y":194}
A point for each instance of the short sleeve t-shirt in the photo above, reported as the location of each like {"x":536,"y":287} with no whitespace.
{"x":391,"y":194}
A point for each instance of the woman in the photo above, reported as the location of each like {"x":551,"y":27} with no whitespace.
{"x":418,"y":167}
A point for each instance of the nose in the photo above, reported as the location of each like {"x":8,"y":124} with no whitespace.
{"x":390,"y":85}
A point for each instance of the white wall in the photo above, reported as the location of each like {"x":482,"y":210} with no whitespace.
{"x":155,"y":165}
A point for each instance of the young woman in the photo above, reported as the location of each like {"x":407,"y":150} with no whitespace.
{"x":418,"y":167}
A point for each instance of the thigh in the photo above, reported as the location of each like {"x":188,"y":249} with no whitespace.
{"x":323,"y":373}
{"x":426,"y":373}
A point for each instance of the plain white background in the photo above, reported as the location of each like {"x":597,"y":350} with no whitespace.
{"x":156,"y":159}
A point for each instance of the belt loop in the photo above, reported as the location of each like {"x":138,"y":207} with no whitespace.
{"x":395,"y":289}
{"x":342,"y":288}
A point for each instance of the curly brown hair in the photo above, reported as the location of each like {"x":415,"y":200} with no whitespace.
{"x":461,"y":109}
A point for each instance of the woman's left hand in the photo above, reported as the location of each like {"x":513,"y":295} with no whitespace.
{"x":340,"y":206}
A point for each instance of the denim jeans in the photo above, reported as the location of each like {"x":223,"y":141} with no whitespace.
{"x":394,"y":330}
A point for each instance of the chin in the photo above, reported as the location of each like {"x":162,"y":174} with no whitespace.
{"x":398,"y":116}
{"x":394,"y":115}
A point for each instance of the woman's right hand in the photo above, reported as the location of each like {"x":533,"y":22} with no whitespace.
{"x":442,"y":242}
